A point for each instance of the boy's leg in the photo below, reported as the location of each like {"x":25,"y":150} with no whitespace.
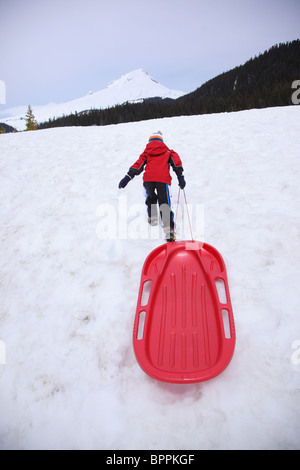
{"x":164,"y":203}
{"x":151,"y":201}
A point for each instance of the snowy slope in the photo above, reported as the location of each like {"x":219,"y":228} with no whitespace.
{"x":133,"y":86}
{"x":68,"y":295}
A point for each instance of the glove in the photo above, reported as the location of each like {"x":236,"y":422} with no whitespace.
{"x":124,"y":181}
{"x":181,"y":181}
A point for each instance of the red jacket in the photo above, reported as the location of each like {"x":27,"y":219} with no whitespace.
{"x":156,"y":160}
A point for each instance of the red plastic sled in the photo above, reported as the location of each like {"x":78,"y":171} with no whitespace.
{"x":184,"y":328}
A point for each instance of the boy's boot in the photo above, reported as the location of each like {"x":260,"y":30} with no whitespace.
{"x":170,"y":235}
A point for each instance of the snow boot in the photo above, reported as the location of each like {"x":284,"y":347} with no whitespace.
{"x":170,"y":235}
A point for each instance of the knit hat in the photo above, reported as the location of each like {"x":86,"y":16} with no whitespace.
{"x":156,"y":136}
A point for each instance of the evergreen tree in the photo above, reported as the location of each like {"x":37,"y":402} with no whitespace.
{"x":31,"y":124}
{"x":2,"y":130}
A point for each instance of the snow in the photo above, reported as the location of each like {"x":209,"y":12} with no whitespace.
{"x":133,"y":86}
{"x":68,"y":295}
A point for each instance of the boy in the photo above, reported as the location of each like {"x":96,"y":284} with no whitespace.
{"x":156,"y":160}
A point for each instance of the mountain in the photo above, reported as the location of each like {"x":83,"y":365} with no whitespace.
{"x":263,"y":82}
{"x":132,"y":87}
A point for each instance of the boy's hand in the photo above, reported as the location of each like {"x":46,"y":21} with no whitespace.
{"x":181,"y":181}
{"x":124,"y":181}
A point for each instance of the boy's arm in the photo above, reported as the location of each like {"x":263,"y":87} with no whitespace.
{"x":134,"y":170}
{"x":138,"y":166}
{"x":175,"y":163}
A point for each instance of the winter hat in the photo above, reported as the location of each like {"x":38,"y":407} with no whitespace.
{"x":156,"y":136}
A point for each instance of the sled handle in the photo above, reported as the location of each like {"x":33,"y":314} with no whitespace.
{"x":140,"y":327}
{"x":221,"y":286}
{"x":143,"y":301}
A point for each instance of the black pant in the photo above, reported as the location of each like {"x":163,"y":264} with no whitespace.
{"x":159,"y":193}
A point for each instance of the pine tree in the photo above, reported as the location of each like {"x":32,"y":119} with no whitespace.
{"x":2,"y":130}
{"x":31,"y":124}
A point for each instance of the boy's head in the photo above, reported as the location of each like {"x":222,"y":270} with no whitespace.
{"x":156,"y":136}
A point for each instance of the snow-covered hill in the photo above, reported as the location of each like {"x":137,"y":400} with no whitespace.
{"x":69,"y":285}
{"x":133,"y":86}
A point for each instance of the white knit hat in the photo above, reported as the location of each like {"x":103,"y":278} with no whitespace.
{"x":156,"y":136}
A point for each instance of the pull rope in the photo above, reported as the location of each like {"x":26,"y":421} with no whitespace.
{"x":175,"y":222}
{"x":187,"y":210}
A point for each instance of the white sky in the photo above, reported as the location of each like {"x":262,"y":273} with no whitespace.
{"x":58,"y":50}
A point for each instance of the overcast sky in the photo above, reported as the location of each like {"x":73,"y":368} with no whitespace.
{"x":58,"y":50}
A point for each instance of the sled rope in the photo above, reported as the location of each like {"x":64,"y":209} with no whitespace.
{"x":187,"y":210}
{"x":175,"y":223}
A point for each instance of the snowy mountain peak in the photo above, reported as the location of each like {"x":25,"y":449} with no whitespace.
{"x":137,"y":75}
{"x":137,"y":85}
{"x":133,"y":86}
